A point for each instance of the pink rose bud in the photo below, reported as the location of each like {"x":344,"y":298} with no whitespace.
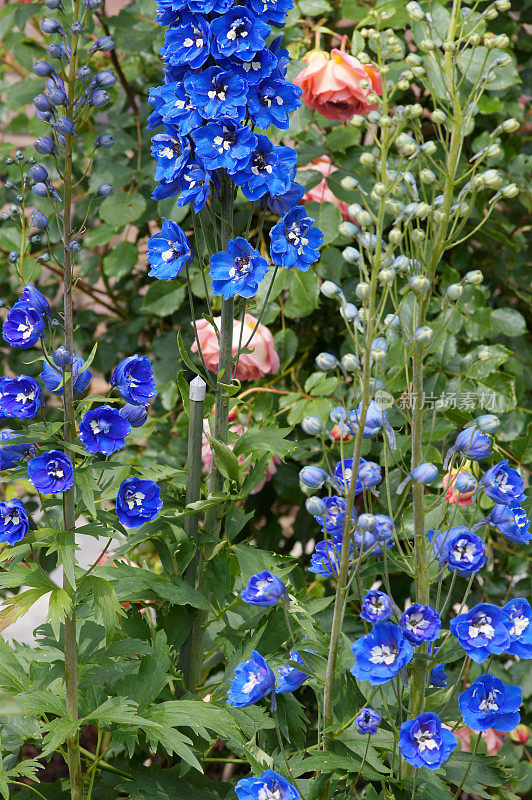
{"x":251,"y":366}
{"x":520,"y":735}
{"x":331,"y":84}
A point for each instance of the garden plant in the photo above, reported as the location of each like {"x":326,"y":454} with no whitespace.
{"x":264,"y":281}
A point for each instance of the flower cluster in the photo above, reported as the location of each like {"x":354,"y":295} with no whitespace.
{"x":26,"y":322}
{"x":222,"y":85}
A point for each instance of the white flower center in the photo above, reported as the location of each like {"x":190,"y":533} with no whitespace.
{"x":134,"y":499}
{"x":252,"y":681}
{"x":425,"y":740}
{"x":265,"y":793}
{"x":25,"y":398}
{"x":489,"y":704}
{"x":520,"y":624}
{"x":481,"y":627}
{"x":464,"y":550}
{"x":25,"y":329}
{"x":383,"y":654}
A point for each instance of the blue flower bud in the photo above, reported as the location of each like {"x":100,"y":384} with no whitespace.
{"x":66,"y":126}
{"x":55,"y":51}
{"x":315,"y":506}
{"x":312,"y":425}
{"x":99,"y":97}
{"x":488,"y":423}
{"x":135,"y":415}
{"x":53,"y":4}
{"x":349,"y":312}
{"x":366,"y":522}
{"x":76,"y":29}
{"x":49,"y":25}
{"x":105,"y":78}
{"x":84,"y":74}
{"x":338,"y":414}
{"x":104,"y":190}
{"x":379,"y":347}
{"x":42,"y":68}
{"x":326,"y":361}
{"x":38,"y":173}
{"x":58,"y":97}
{"x":12,"y":257}
{"x":465,"y":482}
{"x":62,"y":357}
{"x":423,"y":334}
{"x":39,"y":219}
{"x":40,"y":189}
{"x":44,"y":145}
{"x":330,"y":290}
{"x":61,"y":140}
{"x":73,"y":246}
{"x":424,"y":473}
{"x":313,"y":477}
{"x":103,"y":43}
{"x":44,"y":257}
{"x":105,"y":141}
{"x":92,"y":4}
{"x":42,"y":102}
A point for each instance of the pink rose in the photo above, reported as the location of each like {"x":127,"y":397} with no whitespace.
{"x":206,"y":455}
{"x":331,"y":84}
{"x":321,"y":192}
{"x":251,"y":366}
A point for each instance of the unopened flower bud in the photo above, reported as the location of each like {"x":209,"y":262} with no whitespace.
{"x":315,"y":506}
{"x":392,"y":321}
{"x":44,"y":145}
{"x":104,"y":141}
{"x":379,"y":348}
{"x":350,"y":363}
{"x":386,"y":277}
{"x":427,"y":176}
{"x":367,"y":159}
{"x":331,"y":290}
{"x":427,"y":44}
{"x":429,"y":148}
{"x":347,"y":228}
{"x":511,"y":190}
{"x":423,"y":334}
{"x":103,"y":43}
{"x":135,"y":415}
{"x":419,"y":284}
{"x":39,"y":219}
{"x":474,"y":277}
{"x":454,"y":291}
{"x":62,"y":357}
{"x":363,"y":291}
{"x":424,"y":473}
{"x":510,"y":125}
{"x":313,"y":477}
{"x":415,"y":12}
{"x":439,"y":116}
{"x":338,"y":414}
{"x":312,"y":425}
{"x":464,"y":483}
{"x":326,"y":361}
{"x":351,"y":255}
{"x":521,"y":734}
{"x":395,"y":236}
{"x":492,"y":178}
{"x":349,"y":312}
{"x":348,"y":183}
{"x":42,"y":69}
{"x":104,"y":190}
{"x":487,"y":423}
{"x":366,"y":522}
{"x":84,"y":73}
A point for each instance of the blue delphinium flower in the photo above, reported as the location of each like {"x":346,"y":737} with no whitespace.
{"x":53,"y":378}
{"x":376,"y":418}
{"x":224,"y":144}
{"x":383,"y":530}
{"x":195,"y":184}
{"x":489,"y":703}
{"x":282,"y":203}
{"x":325,"y":559}
{"x":465,"y":553}
{"x":269,"y":786}
{"x":174,"y":107}
{"x":20,"y":397}
{"x":438,"y":677}
{"x":270,"y":169}
{"x":503,"y":484}
{"x":343,"y":472}
{"x":520,"y":614}
{"x":188,"y":42}
{"x":420,"y":624}
{"x":217,"y":93}
{"x":135,"y":415}
{"x":14,"y":521}
{"x":103,"y":430}
{"x":23,"y":327}
{"x":423,"y":741}
{"x":263,"y":64}
{"x":272,"y":11}
{"x":264,"y":589}
{"x":271,"y":101}
{"x":333,"y":518}
{"x":134,"y":379}
{"x":253,"y":680}
{"x":295,"y":241}
{"x":376,"y":606}
{"x":511,"y":521}
{"x":483,"y":630}
{"x":369,"y":473}
{"x":472,"y":443}
{"x":238,"y":33}
{"x":237,"y":270}
{"x":381,"y":654}
{"x":137,"y":502}
{"x":10,"y":454}
{"x":168,"y":251}
{"x":51,"y":473}
{"x":172,"y":154}
{"x":291,"y":678}
{"x":31,"y":296}
{"x":368,"y":721}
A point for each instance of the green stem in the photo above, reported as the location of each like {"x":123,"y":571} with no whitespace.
{"x":221,"y":426}
{"x":69,"y":497}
